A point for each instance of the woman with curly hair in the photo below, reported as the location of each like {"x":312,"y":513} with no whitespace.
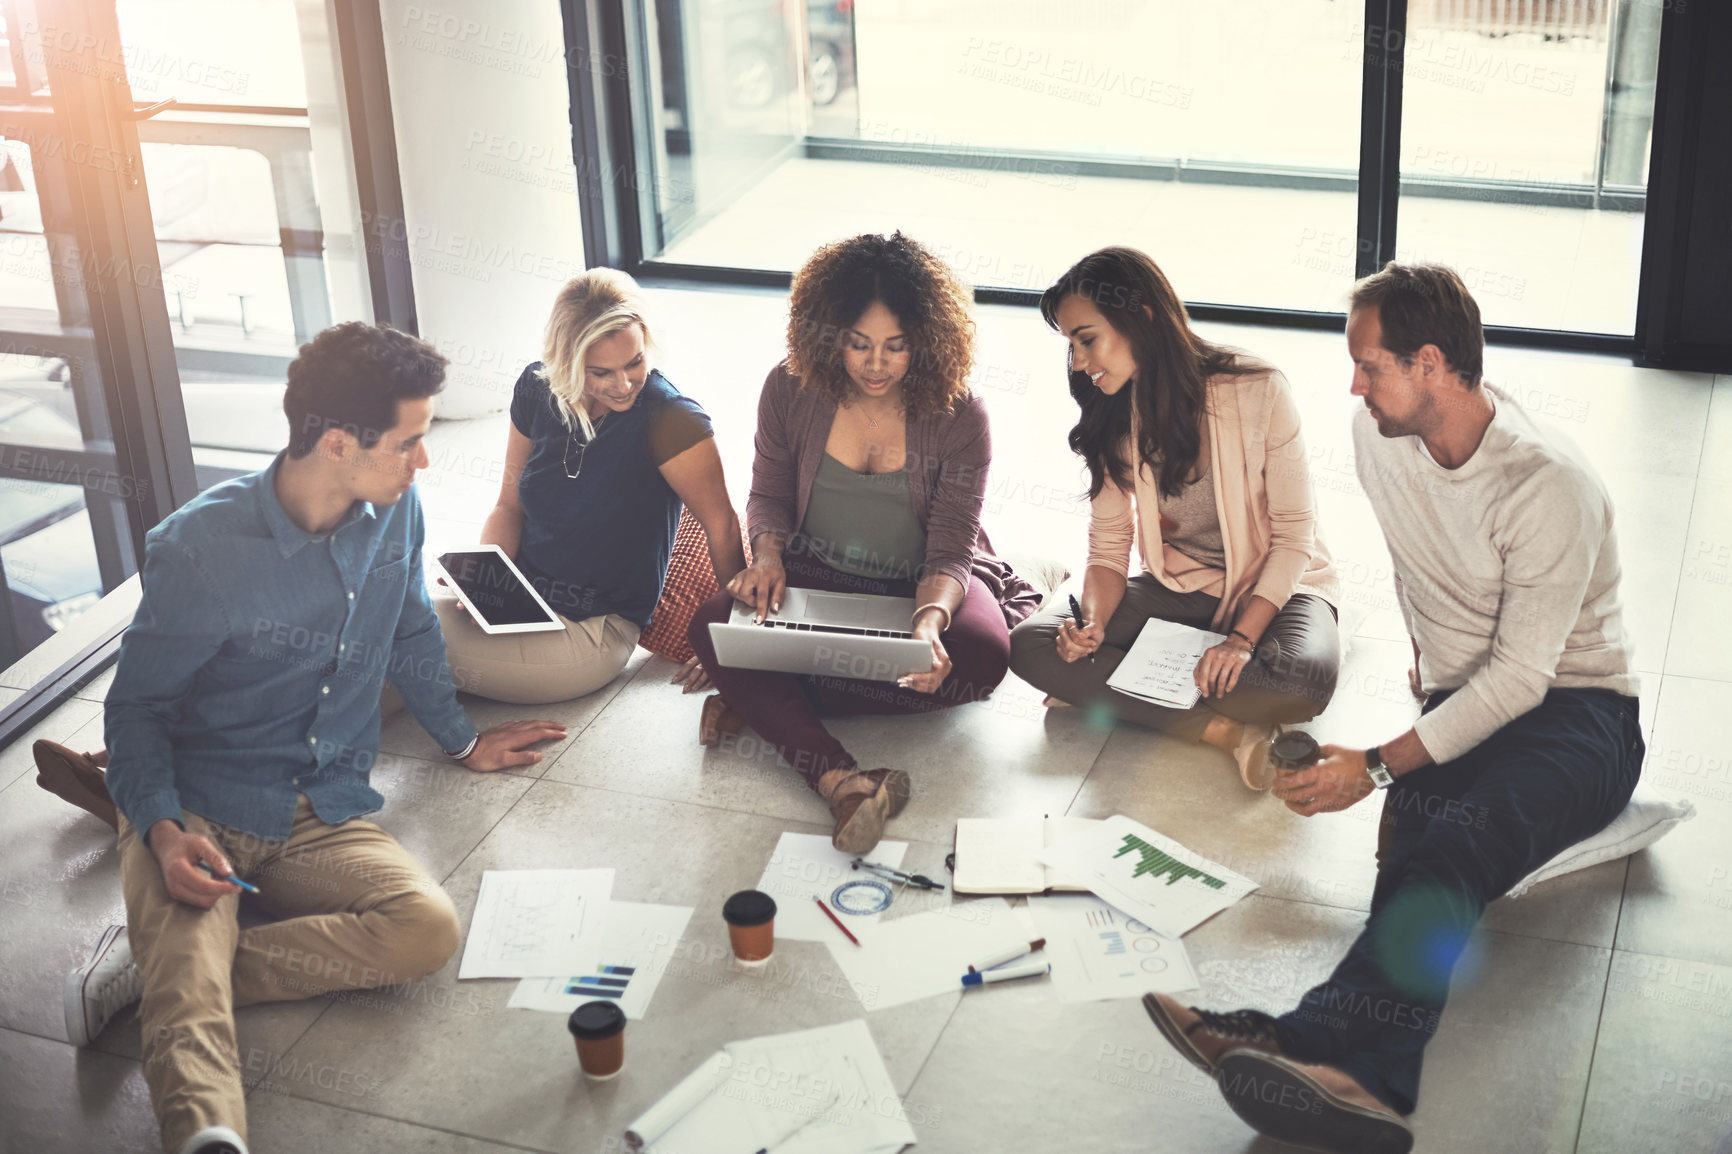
{"x":1193,"y":451}
{"x":601,"y":454}
{"x":869,"y":475}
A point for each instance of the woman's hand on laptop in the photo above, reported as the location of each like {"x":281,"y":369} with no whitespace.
{"x":506,"y":746}
{"x":926,"y":629}
{"x":761,"y":583}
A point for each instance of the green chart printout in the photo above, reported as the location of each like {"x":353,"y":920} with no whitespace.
{"x":1146,"y":875}
{"x":1157,"y":862}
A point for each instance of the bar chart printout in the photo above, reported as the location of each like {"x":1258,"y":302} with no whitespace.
{"x":1155,"y":863}
{"x":1152,"y":878}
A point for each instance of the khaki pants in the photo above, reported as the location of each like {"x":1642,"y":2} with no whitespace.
{"x":532,"y":668}
{"x":357,"y":912}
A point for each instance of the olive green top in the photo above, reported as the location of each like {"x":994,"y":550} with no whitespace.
{"x":863,"y":523}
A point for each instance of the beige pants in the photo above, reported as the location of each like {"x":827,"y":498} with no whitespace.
{"x":357,"y":912}
{"x":533,"y":668}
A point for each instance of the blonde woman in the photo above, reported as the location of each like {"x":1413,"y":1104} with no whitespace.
{"x":602,"y":452}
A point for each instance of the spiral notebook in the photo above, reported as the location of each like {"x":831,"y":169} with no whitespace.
{"x":1002,"y":855}
{"x":1161,"y":663}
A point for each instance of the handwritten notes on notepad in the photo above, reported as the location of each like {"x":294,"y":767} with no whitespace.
{"x":1161,"y":662}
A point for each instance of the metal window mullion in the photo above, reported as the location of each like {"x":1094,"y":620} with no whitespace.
{"x":1380,"y":133}
{"x":384,"y":239}
{"x":121,"y":271}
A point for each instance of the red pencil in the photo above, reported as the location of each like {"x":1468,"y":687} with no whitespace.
{"x":832,"y":916}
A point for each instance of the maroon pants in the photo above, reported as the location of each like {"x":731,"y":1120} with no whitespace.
{"x":784,"y":708}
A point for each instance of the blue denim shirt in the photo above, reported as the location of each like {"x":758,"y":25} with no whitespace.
{"x":252,"y":669}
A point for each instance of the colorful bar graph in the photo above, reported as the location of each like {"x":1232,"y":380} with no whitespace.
{"x":1156,"y":862}
{"x":606,"y":982}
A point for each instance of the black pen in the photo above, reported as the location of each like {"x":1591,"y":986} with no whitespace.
{"x":1076,"y":615}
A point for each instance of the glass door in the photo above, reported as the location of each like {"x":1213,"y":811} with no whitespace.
{"x":1524,"y":154}
{"x":65,"y":531}
{"x":1013,"y":136}
{"x":176,"y":218}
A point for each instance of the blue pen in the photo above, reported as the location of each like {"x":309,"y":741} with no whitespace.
{"x":1006,"y":973}
{"x":248,"y":886}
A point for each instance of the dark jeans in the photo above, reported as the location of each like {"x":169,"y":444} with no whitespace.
{"x":1460,"y":834}
{"x":785,"y":708}
{"x":1290,"y":677}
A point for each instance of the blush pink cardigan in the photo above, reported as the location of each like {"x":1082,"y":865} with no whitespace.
{"x":1262,"y":494}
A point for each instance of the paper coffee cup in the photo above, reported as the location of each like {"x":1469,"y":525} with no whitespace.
{"x":751,"y":918}
{"x":599,"y":1029}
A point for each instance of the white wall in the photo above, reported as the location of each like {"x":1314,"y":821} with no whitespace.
{"x":481,"y":105}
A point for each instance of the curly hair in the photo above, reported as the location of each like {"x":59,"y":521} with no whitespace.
{"x":843,"y":279}
{"x":351,"y":377}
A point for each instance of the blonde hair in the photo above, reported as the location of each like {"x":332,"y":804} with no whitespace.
{"x":593,"y":305}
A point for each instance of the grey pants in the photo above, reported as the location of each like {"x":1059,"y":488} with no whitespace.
{"x":1290,"y":678}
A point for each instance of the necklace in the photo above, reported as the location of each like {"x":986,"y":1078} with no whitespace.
{"x":871,"y":421}
{"x":571,"y":439}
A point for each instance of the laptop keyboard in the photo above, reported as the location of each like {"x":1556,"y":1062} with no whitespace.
{"x":808,"y":627}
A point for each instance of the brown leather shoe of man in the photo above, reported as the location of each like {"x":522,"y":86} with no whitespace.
{"x":77,"y":778}
{"x":716,"y":719}
{"x":1202,"y":1036}
{"x":862,"y":803}
{"x":1314,"y":1107}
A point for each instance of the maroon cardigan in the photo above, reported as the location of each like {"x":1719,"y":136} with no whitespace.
{"x":947,"y":460}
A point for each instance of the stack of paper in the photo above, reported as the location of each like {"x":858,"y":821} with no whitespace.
{"x":1152,"y":878}
{"x":536,"y":923}
{"x":1162,"y":662}
{"x":822,"y":1091}
{"x":558,"y":931}
{"x":923,"y":955}
{"x":1098,"y":953}
{"x":637,"y":946}
{"x":805,"y":866}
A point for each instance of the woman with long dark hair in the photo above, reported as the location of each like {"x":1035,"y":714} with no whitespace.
{"x":1193,"y":449}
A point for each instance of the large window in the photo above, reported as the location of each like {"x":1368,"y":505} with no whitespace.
{"x":1224,"y":137}
{"x":1524,"y":154}
{"x":168,"y":146}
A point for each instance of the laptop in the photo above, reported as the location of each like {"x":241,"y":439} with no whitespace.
{"x":854,"y":635}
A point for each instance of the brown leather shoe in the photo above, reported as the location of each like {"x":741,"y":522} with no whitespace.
{"x":716,"y":719}
{"x":1202,"y":1036}
{"x":860,"y":814}
{"x":1316,"y":1107}
{"x":77,"y":778}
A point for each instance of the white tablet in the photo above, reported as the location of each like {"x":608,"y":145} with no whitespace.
{"x":495,"y":592}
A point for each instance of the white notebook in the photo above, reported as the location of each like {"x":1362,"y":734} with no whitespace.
{"x":1002,"y":855}
{"x":1162,"y":663}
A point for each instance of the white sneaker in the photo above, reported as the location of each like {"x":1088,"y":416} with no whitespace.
{"x":214,"y":1137}
{"x":101,"y":987}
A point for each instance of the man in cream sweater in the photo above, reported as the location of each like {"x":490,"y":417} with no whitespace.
{"x":1506,"y":568}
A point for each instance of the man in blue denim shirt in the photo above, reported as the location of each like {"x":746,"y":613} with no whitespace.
{"x":243,"y":723}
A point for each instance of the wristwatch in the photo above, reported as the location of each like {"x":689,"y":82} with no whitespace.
{"x":1380,"y":775}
